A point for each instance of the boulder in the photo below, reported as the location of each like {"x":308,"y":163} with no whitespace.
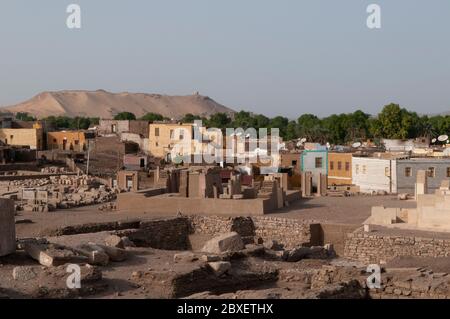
{"x":114,"y":253}
{"x":51,"y":255}
{"x":220,"y":267}
{"x":228,"y":242}
{"x":114,"y":241}
{"x":96,"y":255}
{"x":24,"y":273}
{"x":127,"y":242}
{"x":184,"y":257}
{"x":273,"y":245}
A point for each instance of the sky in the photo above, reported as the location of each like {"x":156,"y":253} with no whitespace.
{"x":283,"y":57}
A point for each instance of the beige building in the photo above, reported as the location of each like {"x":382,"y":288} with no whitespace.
{"x":31,"y":137}
{"x":165,"y":137}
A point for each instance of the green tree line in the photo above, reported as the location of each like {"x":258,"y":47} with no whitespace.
{"x":392,"y":122}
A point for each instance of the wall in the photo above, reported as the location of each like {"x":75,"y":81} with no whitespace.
{"x":308,"y":164}
{"x":374,"y":178}
{"x":340,"y":175}
{"x":370,"y":248}
{"x":136,"y":138}
{"x":289,"y":232}
{"x":406,"y":184}
{"x":161,"y":145}
{"x":32,"y":137}
{"x":7,"y":227}
{"x":74,"y":140}
{"x":287,"y":161}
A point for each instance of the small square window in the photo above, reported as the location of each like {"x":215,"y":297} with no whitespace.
{"x":431,"y":172}
{"x":408,"y":171}
{"x":318,"y":162}
{"x":157,"y":131}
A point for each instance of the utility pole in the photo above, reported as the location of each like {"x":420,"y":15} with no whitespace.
{"x":88,"y":157}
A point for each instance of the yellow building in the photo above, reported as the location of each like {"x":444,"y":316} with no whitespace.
{"x":67,"y":141}
{"x":165,"y":137}
{"x":340,"y":168}
{"x":27,"y":137}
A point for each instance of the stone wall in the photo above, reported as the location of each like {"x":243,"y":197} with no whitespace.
{"x":7,"y":227}
{"x":369,"y":248}
{"x":290,"y":232}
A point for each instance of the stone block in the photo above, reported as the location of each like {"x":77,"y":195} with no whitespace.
{"x":228,"y":242}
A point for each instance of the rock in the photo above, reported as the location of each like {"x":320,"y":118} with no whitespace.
{"x":127,"y":242}
{"x":51,"y":255}
{"x":115,"y":254}
{"x":273,"y":245}
{"x":402,"y":196}
{"x":184,"y":257}
{"x":23,"y":221}
{"x":114,"y":241}
{"x":220,"y":267}
{"x":96,"y":255}
{"x":298,"y":254}
{"x":228,"y":242}
{"x":24,"y":273}
{"x":210,"y":258}
{"x":280,"y":255}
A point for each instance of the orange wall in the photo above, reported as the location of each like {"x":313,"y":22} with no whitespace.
{"x":339,"y":168}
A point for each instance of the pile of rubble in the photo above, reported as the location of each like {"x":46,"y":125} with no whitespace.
{"x":57,"y":192}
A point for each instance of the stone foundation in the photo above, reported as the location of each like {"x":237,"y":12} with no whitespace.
{"x":369,"y":248}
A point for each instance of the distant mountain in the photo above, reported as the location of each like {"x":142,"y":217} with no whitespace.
{"x":106,"y":105}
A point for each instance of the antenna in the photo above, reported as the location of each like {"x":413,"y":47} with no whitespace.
{"x":443,"y":138}
{"x":356,"y":145}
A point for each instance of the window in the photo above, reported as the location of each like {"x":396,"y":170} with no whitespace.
{"x":387,"y":171}
{"x":294,"y":163}
{"x":431,"y":172}
{"x":54,"y":140}
{"x":357,"y":169}
{"x":331,"y":165}
{"x":364,"y":170}
{"x":339,"y":166}
{"x":77,"y":142}
{"x":408,"y":171}
{"x":171,"y":134}
{"x":448,"y":171}
{"x":181,"y":134}
{"x":347,"y":166}
{"x":156,"y":144}
{"x":11,"y":137}
{"x":157,"y":131}
{"x":318,"y":162}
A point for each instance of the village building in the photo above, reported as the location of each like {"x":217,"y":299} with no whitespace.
{"x":67,"y":141}
{"x":27,"y":137}
{"x":436,"y":169}
{"x":375,"y":174}
{"x":315,"y":162}
{"x":340,"y":168}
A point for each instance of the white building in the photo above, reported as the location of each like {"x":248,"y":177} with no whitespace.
{"x":374,"y":174}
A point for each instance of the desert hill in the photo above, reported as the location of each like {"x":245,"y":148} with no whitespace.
{"x":105,"y":104}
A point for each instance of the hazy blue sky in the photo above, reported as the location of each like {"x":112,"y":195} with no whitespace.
{"x":273,"y":57}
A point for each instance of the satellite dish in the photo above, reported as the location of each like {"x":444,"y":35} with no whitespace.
{"x":434,"y":140}
{"x":356,"y":145}
{"x":328,"y":145}
{"x":443,"y":138}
